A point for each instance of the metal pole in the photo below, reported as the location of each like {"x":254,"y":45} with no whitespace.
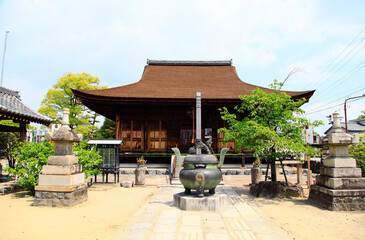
{"x":198,"y":120}
{"x":3,"y":65}
{"x":344,"y":107}
{"x":345,"y":115}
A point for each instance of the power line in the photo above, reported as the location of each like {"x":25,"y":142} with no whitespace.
{"x":328,"y":75}
{"x":329,"y":107}
{"x":338,"y":55}
{"x":336,"y":100}
{"x":342,"y":79}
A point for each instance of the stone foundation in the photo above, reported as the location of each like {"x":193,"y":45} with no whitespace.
{"x":337,"y":200}
{"x":60,"y":197}
{"x":193,"y":203}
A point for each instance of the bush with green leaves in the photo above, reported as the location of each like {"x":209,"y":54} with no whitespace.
{"x":30,"y":157}
{"x":89,"y":158}
{"x":358,"y":152}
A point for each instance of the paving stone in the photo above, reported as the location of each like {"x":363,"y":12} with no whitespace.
{"x":173,"y":220}
{"x":230,"y":212}
{"x":236,"y":224}
{"x":237,"y":221}
{"x":259,"y":226}
{"x":215,"y":236}
{"x":170,"y":213}
{"x":212,"y":216}
{"x":147,"y":218}
{"x":161,"y":236}
{"x":190,"y":233}
{"x":135,"y":234}
{"x":142,"y":225}
{"x":191,"y":219}
{"x":165,"y":228}
{"x":244,"y":235}
{"x":270,"y":236}
{"x":153,"y":209}
{"x":214,"y":226}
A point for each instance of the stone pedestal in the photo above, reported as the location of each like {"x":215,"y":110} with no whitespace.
{"x":255,"y":175}
{"x":208,"y":203}
{"x":339,"y":185}
{"x":140,"y":174}
{"x":61,"y":183}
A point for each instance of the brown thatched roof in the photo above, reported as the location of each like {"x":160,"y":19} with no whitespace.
{"x":174,"y":81}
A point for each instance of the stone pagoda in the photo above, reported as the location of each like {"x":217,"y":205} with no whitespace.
{"x":339,"y":185}
{"x":61,"y":183}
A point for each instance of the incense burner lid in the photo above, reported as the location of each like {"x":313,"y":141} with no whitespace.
{"x":201,"y":159}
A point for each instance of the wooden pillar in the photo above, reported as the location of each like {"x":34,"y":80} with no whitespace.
{"x":131,"y":137}
{"x":117,"y":126}
{"x":159,"y":136}
{"x":142,"y":135}
{"x":299,"y":173}
{"x":23,"y":131}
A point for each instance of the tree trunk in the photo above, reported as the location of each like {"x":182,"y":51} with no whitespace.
{"x":273,"y":170}
{"x":273,"y":166}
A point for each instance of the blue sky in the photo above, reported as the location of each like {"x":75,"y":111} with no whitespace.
{"x":266,"y":39}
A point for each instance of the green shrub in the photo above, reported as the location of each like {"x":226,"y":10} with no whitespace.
{"x":89,"y":158}
{"x":358,"y":152}
{"x":30,"y":157}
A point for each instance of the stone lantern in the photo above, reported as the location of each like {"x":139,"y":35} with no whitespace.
{"x":61,"y":183}
{"x":339,"y":185}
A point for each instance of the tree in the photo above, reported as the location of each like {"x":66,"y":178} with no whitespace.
{"x":30,"y":158}
{"x":358,"y":152}
{"x":89,"y":158}
{"x":60,"y":96}
{"x":9,"y":141}
{"x":271,"y":125}
{"x":107,"y":130}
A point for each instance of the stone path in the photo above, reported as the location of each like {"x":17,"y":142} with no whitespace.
{"x":160,"y":220}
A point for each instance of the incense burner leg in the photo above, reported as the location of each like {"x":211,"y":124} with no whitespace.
{"x":187,"y":190}
{"x":200,"y":191}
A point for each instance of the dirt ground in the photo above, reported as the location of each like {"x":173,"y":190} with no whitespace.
{"x":299,"y":218}
{"x":109,"y":209}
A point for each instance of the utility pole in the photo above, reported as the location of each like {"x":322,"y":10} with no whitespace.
{"x":3,"y":65}
{"x":344,"y":107}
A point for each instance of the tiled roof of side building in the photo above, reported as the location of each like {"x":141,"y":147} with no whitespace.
{"x":11,"y":106}
{"x":181,"y":80}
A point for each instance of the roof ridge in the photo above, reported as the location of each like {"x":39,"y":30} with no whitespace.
{"x":10,"y":92}
{"x":189,"y":62}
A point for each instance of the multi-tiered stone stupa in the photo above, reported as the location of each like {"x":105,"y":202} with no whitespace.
{"x":61,"y":183}
{"x":339,"y":185}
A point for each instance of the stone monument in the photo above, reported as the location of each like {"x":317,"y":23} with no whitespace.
{"x":61,"y":183}
{"x":339,"y":185}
